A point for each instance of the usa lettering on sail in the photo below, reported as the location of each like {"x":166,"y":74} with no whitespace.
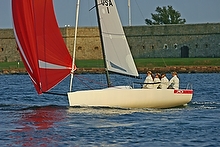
{"x":106,"y":3}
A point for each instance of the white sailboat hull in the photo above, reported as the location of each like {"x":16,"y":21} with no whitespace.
{"x":131,"y":98}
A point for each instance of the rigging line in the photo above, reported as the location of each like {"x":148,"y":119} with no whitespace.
{"x":163,"y":60}
{"x":53,"y":93}
{"x":92,"y":8}
{"x":95,"y":6}
{"x":146,"y":83}
{"x":98,"y":83}
{"x":139,"y":10}
{"x":84,"y":83}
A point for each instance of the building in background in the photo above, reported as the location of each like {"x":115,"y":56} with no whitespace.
{"x":167,"y":41}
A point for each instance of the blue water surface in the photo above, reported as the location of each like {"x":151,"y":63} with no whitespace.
{"x":29,"y":119}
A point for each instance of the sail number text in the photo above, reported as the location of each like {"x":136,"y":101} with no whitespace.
{"x":106,"y":3}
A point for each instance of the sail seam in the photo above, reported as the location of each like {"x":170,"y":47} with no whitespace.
{"x":22,"y":51}
{"x":104,"y":33}
{"x":47,"y":65}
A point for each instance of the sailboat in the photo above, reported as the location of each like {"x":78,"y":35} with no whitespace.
{"x":48,"y":61}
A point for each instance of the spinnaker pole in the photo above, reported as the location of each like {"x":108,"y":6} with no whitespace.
{"x":74,"y":47}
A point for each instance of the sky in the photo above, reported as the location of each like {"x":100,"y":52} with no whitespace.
{"x":194,"y":11}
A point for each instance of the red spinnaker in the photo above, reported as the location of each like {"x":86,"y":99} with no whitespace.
{"x":40,"y":43}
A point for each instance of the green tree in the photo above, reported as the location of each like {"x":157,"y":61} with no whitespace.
{"x":165,"y":15}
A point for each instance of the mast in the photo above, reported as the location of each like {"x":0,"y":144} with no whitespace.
{"x":129,"y":12}
{"x":74,"y":47}
{"x":103,"y":51}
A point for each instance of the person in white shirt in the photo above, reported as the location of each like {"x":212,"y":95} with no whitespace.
{"x":148,"y":79}
{"x":164,"y":82}
{"x":157,"y":81}
{"x":174,"y":81}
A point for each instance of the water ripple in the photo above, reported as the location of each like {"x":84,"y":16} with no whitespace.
{"x":47,"y":120}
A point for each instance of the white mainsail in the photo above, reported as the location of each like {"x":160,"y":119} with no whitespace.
{"x":116,"y":49}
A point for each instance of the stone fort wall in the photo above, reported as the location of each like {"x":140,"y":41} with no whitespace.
{"x":189,"y":40}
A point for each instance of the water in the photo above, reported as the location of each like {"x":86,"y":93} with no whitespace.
{"x":46,"y":120}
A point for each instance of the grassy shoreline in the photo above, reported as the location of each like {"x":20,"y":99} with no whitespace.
{"x":157,"y":64}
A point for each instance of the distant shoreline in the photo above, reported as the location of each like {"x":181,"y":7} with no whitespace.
{"x":167,"y":69}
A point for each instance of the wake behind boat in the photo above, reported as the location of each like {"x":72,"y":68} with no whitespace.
{"x":43,"y":51}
